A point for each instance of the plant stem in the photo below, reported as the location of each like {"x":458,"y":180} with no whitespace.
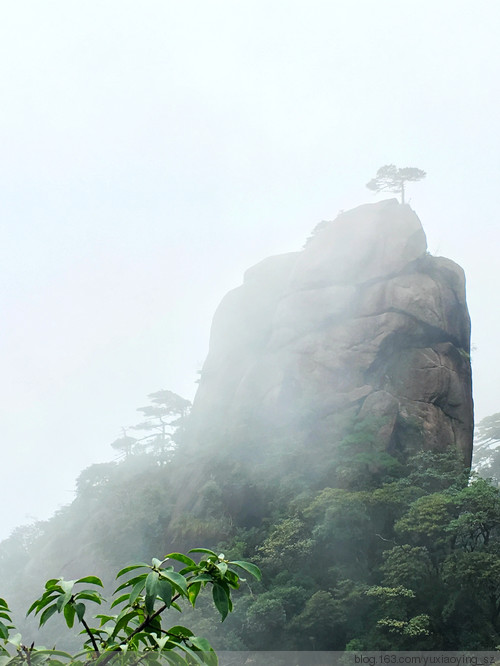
{"x":91,"y":635}
{"x":139,"y":628}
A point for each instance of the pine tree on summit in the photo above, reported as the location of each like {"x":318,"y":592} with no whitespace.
{"x":392,"y":179}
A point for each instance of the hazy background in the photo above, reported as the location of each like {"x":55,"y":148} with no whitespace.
{"x":151,"y":151}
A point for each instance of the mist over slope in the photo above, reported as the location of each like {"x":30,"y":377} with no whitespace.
{"x":362,"y":325}
{"x":333,"y":423}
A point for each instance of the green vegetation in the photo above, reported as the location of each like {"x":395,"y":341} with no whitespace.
{"x":136,"y":624}
{"x":398,"y":564}
{"x":391,"y":179}
{"x":359,"y":548}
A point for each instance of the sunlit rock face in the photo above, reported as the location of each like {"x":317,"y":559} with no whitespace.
{"x":361,"y":325}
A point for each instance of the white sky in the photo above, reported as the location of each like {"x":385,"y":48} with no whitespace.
{"x":151,"y":151}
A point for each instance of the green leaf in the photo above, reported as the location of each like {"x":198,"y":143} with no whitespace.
{"x":151,"y":590}
{"x":80,"y":611}
{"x":186,"y":570}
{"x":136,"y":590}
{"x":203,"y":578}
{"x":156,"y":562}
{"x":47,"y":613}
{"x":178,"y":581}
{"x":151,"y":582}
{"x":209,"y":657}
{"x":93,"y":580}
{"x":131,"y":567}
{"x":164,"y":591}
{"x":232,"y":579}
{"x":222,"y":567}
{"x":51,"y":583}
{"x":160,"y":641}
{"x":120,"y":600}
{"x":249,"y":567}
{"x":66,"y":585}
{"x":193,"y":591}
{"x":201,"y":643}
{"x":221,"y":600}
{"x":180,"y":557}
{"x":89,"y":595}
{"x":69,"y":615}
{"x":63,"y":600}
{"x":123,"y":621}
{"x":57,"y":653}
{"x":191,"y":653}
{"x":149,"y":602}
{"x":105,"y":618}
{"x":4,"y":632}
{"x":202,"y":550}
{"x":179,"y":630}
{"x":41,"y":603}
{"x":174,"y":658}
{"x":131,"y":582}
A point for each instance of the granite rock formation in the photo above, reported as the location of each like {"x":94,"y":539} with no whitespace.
{"x":361,"y":325}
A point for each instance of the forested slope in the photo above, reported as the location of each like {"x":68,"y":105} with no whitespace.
{"x":405,"y":561}
{"x":329,"y":443}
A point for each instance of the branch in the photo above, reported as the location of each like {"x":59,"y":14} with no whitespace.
{"x":138,"y":629}
{"x":388,"y":540}
{"x":92,"y":637}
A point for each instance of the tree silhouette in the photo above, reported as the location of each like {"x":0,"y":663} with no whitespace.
{"x":392,"y":179}
{"x":124,"y":444}
{"x":162,"y":419}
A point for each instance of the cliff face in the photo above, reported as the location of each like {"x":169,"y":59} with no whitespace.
{"x":360,"y":326}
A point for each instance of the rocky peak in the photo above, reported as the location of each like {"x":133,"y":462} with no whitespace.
{"x":362,"y":324}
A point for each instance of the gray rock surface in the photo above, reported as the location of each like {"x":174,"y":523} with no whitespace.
{"x":362,"y":324}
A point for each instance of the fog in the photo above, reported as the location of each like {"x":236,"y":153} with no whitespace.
{"x":153,"y":151}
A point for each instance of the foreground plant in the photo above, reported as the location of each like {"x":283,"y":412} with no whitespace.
{"x":135,"y":634}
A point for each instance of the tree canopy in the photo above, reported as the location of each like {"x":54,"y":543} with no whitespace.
{"x":163,"y":419}
{"x":359,"y":548}
{"x":390,"y":178}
